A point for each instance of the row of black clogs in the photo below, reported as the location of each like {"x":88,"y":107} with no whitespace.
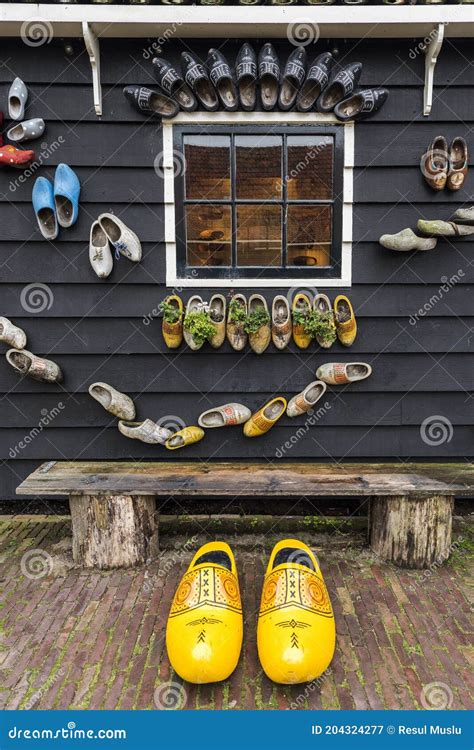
{"x":215,"y":85}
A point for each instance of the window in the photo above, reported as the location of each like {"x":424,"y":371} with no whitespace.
{"x":257,"y":204}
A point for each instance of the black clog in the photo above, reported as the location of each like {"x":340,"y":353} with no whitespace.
{"x":174,"y":84}
{"x":341,"y":86}
{"x":246,"y":74}
{"x":269,"y":74}
{"x":316,"y":81}
{"x":362,"y":104}
{"x":150,"y":102}
{"x":293,"y":77}
{"x":222,"y":79}
{"x":196,"y":77}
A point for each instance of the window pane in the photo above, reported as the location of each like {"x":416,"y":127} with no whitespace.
{"x":208,"y":235}
{"x":207,"y":167}
{"x":310,"y":167}
{"x":258,"y":167}
{"x":309,"y":235}
{"x":258,"y":235}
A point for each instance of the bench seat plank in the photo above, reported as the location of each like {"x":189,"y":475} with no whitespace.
{"x":244,"y":479}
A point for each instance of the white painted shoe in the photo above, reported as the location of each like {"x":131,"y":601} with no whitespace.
{"x":113,"y":401}
{"x":195,"y":305}
{"x":121,"y":237}
{"x":27,"y":130}
{"x":146,"y":431}
{"x":34,"y":367}
{"x":17,"y":98}
{"x":99,"y":251}
{"x":305,"y":400}
{"x":339,"y":373}
{"x":11,"y":334}
{"x":223,"y":416}
{"x":281,"y":321}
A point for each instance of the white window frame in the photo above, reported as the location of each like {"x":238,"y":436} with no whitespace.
{"x":169,"y":167}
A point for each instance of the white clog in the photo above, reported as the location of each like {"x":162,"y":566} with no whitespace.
{"x":146,"y":431}
{"x":339,"y":373}
{"x":100,"y":255}
{"x":305,"y":400}
{"x":223,"y":416}
{"x":113,"y":401}
{"x":11,"y":334}
{"x":121,"y":237}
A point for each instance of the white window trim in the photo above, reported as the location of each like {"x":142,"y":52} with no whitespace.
{"x":255,"y":118}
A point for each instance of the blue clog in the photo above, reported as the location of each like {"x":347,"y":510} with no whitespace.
{"x":43,"y":204}
{"x":66,"y":195}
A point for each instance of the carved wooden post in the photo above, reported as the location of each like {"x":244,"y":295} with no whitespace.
{"x":113,"y":531}
{"x":413,"y":532}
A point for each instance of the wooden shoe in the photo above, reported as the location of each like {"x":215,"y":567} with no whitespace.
{"x":217,"y":314}
{"x":326,"y":324}
{"x":11,"y":334}
{"x":224,"y":416}
{"x":197,"y":323}
{"x":458,"y":164}
{"x":294,"y":74}
{"x":113,"y":401}
{"x":464,"y":216}
{"x":360,"y":105}
{"x":435,"y":163}
{"x":438,"y":228}
{"x":246,"y":76}
{"x":204,"y":631}
{"x":67,"y":189}
{"x":196,"y":77}
{"x":222,"y":80}
{"x":346,"y":325}
{"x":257,"y":324}
{"x":340,"y":87}
{"x":26,"y":131}
{"x":269,"y":73}
{"x":29,"y":364}
{"x":281,"y":321}
{"x":340,"y":373}
{"x":301,"y":311}
{"x":236,"y":318}
{"x":150,"y":102}
{"x":100,"y":256}
{"x":186,"y":436}
{"x":315,"y":82}
{"x":296,"y":631}
{"x":10,"y":156}
{"x":45,"y":210}
{"x":406,"y":240}
{"x":17,"y":98}
{"x":173,"y":83}
{"x":263,"y":419}
{"x":146,"y":431}
{"x":305,"y":400}
{"x":172,"y":326}
{"x":122,"y":238}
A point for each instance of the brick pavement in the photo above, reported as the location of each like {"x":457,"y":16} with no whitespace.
{"x":76,"y":639}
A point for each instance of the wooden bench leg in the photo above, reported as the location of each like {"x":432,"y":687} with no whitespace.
{"x":410,"y":531}
{"x":113,"y":531}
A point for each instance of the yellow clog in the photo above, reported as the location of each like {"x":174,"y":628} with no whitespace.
{"x":205,"y":625}
{"x":301,"y":306}
{"x":173,"y":331}
{"x":346,"y":326}
{"x":263,"y":419}
{"x":296,"y":632}
{"x":186,"y":436}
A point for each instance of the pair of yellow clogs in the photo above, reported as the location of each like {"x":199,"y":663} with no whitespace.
{"x":296,"y":631}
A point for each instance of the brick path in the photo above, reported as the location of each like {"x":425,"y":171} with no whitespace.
{"x":72,"y":639}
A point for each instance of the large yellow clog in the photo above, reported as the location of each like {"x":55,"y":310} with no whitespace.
{"x":346,"y":325}
{"x":296,"y":632}
{"x":173,"y":331}
{"x":263,"y":419}
{"x":205,"y":625}
{"x":301,"y":307}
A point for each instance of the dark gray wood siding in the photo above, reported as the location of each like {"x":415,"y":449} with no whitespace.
{"x":95,"y":330}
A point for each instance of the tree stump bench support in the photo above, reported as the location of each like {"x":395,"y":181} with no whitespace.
{"x":115,"y":523}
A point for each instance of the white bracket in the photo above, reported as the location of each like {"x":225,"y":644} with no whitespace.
{"x":432,"y":51}
{"x":93,"y":50}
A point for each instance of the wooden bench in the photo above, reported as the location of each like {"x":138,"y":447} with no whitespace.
{"x":115,"y":524}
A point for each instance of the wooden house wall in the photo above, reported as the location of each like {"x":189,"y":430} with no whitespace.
{"x":101,"y":330}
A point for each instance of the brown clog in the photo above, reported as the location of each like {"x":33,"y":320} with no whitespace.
{"x":435,"y":164}
{"x":458,"y":159}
